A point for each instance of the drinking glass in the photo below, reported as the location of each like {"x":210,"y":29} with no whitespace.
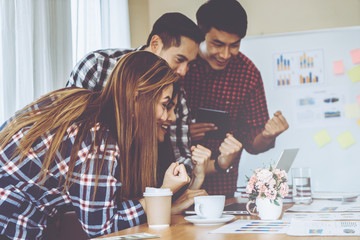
{"x":301,"y":185}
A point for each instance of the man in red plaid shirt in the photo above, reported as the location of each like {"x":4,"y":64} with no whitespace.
{"x":222,"y":78}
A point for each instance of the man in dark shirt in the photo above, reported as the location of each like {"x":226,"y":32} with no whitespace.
{"x":222,"y":78}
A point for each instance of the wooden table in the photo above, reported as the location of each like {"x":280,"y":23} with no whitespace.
{"x":181,"y":229}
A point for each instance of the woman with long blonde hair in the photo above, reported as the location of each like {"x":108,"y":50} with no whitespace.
{"x":94,"y":151}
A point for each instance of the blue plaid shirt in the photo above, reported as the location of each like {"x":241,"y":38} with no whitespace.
{"x":92,"y":72}
{"x":26,"y":204}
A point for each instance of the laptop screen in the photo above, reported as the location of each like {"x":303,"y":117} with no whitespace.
{"x":286,"y":159}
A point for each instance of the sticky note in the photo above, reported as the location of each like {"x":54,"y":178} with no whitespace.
{"x":339,"y":67}
{"x":358,"y":121}
{"x":354,"y":74}
{"x":355,"y":55}
{"x":358,"y":98}
{"x":322,"y":138}
{"x":345,"y":140}
{"x":352,"y":110}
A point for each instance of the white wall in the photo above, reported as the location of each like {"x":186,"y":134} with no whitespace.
{"x":264,"y":16}
{"x":334,"y":168}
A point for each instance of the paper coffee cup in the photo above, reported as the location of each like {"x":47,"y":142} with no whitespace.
{"x":158,"y":206}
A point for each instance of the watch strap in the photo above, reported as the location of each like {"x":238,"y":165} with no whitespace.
{"x":218,"y":168}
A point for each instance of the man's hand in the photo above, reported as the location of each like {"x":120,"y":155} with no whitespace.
{"x":175,"y":177}
{"x":186,"y":200}
{"x":275,"y":126}
{"x":198,"y":130}
{"x":230,"y":150}
{"x":200,"y":157}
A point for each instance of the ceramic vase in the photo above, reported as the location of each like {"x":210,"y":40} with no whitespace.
{"x":266,"y":209}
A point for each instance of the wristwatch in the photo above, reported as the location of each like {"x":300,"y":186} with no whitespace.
{"x":219,"y":169}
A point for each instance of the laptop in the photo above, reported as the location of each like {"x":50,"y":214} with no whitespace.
{"x":285,"y":161}
{"x":287,"y":158}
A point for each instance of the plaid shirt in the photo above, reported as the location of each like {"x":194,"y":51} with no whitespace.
{"x":92,"y":71}
{"x":26,"y":204}
{"x":237,"y":89}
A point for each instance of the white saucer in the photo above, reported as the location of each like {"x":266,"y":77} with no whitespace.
{"x":208,"y":221}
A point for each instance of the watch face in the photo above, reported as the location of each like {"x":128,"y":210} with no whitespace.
{"x":228,"y":170}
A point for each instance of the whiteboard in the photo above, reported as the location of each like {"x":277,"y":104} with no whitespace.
{"x":319,"y":111}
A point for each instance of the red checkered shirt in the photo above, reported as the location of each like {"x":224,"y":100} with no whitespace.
{"x":237,"y":89}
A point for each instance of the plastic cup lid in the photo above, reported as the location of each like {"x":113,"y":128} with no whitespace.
{"x":150,"y":191}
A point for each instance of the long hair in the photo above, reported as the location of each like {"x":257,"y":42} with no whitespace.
{"x":126,"y":106}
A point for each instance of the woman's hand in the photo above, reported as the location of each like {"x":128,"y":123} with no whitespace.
{"x":175,"y":177}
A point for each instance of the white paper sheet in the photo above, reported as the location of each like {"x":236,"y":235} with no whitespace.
{"x":321,"y":216}
{"x":324,"y":228}
{"x":326,"y":206}
{"x":135,"y":236}
{"x":254,"y":226}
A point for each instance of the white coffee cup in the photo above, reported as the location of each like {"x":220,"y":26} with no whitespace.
{"x":158,"y":206}
{"x":210,"y":207}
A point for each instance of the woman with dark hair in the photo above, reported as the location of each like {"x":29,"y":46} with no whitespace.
{"x":93,"y":151}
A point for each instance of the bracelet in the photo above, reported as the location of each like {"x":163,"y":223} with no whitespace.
{"x":219,"y":169}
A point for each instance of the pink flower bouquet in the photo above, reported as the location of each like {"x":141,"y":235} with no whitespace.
{"x":267,"y":183}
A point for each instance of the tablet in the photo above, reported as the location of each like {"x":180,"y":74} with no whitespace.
{"x":218,"y":117}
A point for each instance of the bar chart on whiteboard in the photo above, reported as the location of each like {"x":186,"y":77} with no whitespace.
{"x":304,"y":67}
{"x":313,"y":78}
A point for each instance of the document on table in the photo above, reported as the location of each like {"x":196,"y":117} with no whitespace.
{"x":321,"y":216}
{"x":324,"y":228}
{"x":135,"y":236}
{"x":254,"y":226}
{"x":326,"y":206}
